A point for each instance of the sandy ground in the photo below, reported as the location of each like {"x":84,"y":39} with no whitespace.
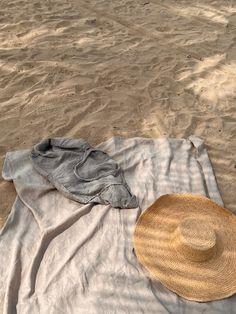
{"x":98,"y":68}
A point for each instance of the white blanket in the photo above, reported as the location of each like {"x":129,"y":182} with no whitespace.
{"x":59,"y":256}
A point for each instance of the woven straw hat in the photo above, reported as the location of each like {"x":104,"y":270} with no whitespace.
{"x":188,"y":242}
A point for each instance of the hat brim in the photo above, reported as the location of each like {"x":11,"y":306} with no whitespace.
{"x":154,"y":247}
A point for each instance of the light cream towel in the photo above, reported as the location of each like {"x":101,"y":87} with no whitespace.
{"x":59,"y":256}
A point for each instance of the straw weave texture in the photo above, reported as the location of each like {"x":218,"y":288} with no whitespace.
{"x":188,"y":242}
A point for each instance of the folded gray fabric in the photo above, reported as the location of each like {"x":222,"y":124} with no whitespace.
{"x":81,"y":172}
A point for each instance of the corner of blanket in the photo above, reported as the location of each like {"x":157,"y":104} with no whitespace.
{"x":197,"y":141}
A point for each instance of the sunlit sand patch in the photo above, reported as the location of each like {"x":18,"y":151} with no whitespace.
{"x":204,"y":12}
{"x":217,"y":84}
{"x":201,"y":66}
{"x":84,"y":40}
{"x":211,"y":79}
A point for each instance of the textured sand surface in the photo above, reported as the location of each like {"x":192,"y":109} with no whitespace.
{"x":99,"y":68}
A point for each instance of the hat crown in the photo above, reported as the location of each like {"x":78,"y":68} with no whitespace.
{"x":196,"y":239}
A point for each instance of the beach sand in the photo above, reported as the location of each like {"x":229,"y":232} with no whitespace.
{"x":95,"y":69}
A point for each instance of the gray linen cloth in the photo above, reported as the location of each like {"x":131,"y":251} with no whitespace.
{"x":60,"y":256}
{"x":81,"y":172}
